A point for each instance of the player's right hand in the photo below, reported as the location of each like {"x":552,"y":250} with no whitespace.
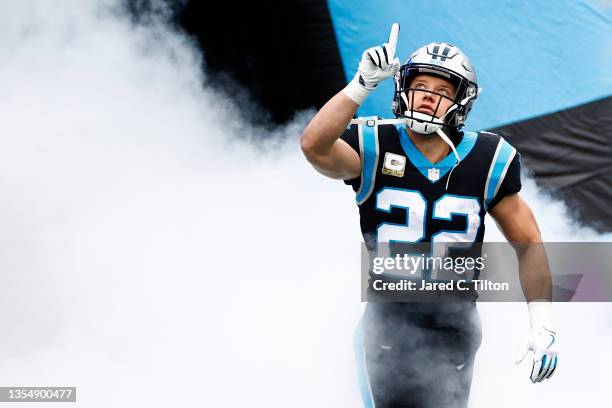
{"x":377,"y":64}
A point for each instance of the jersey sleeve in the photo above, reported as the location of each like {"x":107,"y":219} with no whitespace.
{"x":511,"y":182}
{"x":351,"y":136}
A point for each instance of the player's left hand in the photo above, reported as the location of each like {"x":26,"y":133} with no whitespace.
{"x":542,"y":342}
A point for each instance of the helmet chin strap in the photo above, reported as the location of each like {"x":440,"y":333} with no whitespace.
{"x":449,"y":143}
{"x":452,"y":146}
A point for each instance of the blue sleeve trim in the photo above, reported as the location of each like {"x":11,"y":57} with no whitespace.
{"x":499,"y":166}
{"x":368,"y":143}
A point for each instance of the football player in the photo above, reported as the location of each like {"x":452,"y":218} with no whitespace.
{"x":425,"y":180}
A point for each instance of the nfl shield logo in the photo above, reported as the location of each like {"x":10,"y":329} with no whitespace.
{"x":433,"y":174}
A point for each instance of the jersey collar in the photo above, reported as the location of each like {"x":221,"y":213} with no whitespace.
{"x":423,"y":164}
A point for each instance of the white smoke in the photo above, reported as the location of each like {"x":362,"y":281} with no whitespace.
{"x":584,"y":330}
{"x":152,"y":257}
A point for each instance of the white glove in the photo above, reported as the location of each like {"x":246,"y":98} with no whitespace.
{"x":542,"y":341}
{"x":377,"y":64}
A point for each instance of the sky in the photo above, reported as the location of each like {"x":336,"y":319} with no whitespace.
{"x":158,"y":249}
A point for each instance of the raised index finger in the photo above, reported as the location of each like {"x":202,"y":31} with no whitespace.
{"x":393,"y":35}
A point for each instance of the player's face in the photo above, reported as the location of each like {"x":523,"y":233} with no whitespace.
{"x":435,"y":104}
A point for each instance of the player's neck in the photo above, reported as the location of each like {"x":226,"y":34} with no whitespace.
{"x":432,"y":146}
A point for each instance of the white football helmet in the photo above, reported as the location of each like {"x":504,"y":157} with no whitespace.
{"x":445,"y":61}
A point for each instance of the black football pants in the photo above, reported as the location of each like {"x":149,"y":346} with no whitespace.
{"x":417,"y":354}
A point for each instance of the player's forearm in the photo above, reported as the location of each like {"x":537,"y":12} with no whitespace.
{"x":319,"y":137}
{"x":534,"y":271}
{"x":516,"y":220}
{"x":328,"y":125}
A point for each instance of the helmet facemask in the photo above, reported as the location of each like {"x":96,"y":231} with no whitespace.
{"x":419,"y":122}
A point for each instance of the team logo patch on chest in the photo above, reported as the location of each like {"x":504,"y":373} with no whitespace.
{"x":394,"y":165}
{"x":433,"y":174}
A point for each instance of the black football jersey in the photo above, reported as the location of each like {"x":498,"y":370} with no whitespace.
{"x":404,"y":199}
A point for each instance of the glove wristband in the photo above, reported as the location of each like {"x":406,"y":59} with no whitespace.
{"x":356,"y":92}
{"x":540,"y":312}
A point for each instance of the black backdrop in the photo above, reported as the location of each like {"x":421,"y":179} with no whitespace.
{"x":283,"y":52}
{"x":570,"y":154}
